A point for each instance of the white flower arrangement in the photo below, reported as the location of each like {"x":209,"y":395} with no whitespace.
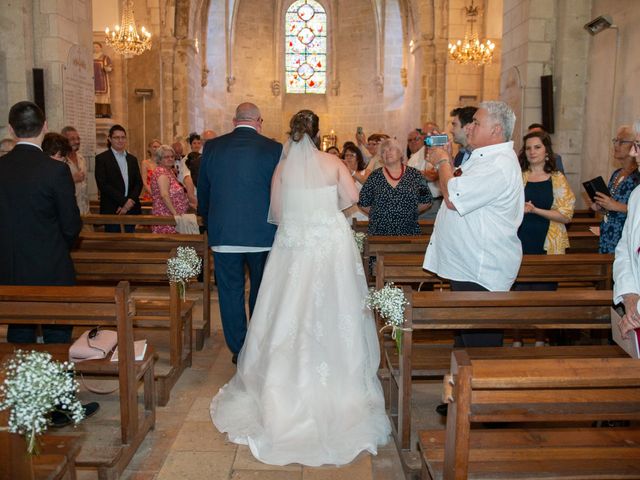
{"x":34,"y":386}
{"x":390,"y":303}
{"x":360,"y":237}
{"x":183,"y":267}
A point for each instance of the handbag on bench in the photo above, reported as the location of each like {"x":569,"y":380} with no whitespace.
{"x":94,"y":344}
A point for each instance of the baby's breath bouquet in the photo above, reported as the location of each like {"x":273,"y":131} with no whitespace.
{"x":34,"y":386}
{"x":390,"y":303}
{"x":183,"y":267}
{"x":359,"y":237}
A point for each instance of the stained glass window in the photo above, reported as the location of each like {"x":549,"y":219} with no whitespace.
{"x":306,"y":47}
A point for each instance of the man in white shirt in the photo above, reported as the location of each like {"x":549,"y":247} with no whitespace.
{"x":475,"y":243}
{"x":418,"y":160}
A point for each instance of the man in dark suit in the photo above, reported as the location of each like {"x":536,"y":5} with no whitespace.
{"x":118,"y":179}
{"x":39,"y":217}
{"x":234,"y":188}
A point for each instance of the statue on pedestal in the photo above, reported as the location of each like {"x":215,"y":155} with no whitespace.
{"x":102,"y":66}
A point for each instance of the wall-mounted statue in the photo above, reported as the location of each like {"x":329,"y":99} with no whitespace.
{"x":102,"y":66}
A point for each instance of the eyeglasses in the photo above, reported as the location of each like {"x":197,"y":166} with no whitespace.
{"x":617,"y":141}
{"x":119,"y":137}
{"x":350,"y":154}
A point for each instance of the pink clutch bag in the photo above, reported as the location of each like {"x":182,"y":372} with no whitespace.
{"x":93,"y":344}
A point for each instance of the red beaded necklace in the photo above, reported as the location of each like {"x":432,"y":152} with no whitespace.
{"x":395,"y":179}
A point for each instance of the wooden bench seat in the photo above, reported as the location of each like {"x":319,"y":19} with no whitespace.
{"x":155,"y":242}
{"x":586,"y":269}
{"x":437,"y":311}
{"x":376,"y":245}
{"x":562,"y":395}
{"x":93,"y":306}
{"x":170,"y":314}
{"x":578,"y":223}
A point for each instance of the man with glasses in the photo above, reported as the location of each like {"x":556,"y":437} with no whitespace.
{"x":234,"y":189}
{"x":414,"y":142}
{"x":118,"y":179}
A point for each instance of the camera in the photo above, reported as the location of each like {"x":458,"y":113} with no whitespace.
{"x":436,"y":140}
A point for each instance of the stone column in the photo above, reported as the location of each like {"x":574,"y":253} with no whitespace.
{"x":169,"y":120}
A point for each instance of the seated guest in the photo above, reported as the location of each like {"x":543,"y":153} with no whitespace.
{"x":354,"y":161}
{"x":56,"y":146}
{"x":394,"y":195}
{"x":168,"y":196}
{"x":549,"y":204}
{"x":626,"y":266}
{"x":333,"y":151}
{"x":621,"y":184}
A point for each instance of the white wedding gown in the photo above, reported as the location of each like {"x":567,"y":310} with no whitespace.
{"x":306,"y":389}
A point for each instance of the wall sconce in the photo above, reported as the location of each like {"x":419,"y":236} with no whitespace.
{"x":599,"y":24}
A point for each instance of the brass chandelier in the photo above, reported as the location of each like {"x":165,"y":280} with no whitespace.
{"x":124,"y":38}
{"x":471,"y":50}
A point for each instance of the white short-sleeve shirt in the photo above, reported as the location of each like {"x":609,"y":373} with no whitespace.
{"x":478,"y":241}
{"x":417,"y":161}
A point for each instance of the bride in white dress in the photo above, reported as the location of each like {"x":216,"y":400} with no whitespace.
{"x":306,"y":389}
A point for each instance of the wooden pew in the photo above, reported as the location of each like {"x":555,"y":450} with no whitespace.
{"x":94,"y":207}
{"x":92,"y":306}
{"x":584,"y":269}
{"x":566,"y":394}
{"x":148,"y":220}
{"x":437,"y":311}
{"x":426,"y":225}
{"x":375,"y":245}
{"x":171,"y":314}
{"x":163,"y":243}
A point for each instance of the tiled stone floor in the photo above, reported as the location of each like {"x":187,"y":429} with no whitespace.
{"x":186,"y":445}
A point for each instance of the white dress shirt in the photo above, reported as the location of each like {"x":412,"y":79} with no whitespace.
{"x":478,"y":241}
{"x":418,"y":161}
{"x":626,"y":266}
{"x":121,"y":159}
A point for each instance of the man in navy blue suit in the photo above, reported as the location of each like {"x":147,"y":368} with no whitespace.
{"x":234,"y":189}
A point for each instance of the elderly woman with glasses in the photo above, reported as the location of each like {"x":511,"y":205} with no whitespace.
{"x":395,"y":194}
{"x":621,"y":184}
{"x":167,"y":194}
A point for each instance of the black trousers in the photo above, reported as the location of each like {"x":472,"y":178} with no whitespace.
{"x":475,"y":338}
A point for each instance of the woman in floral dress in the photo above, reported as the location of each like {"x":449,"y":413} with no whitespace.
{"x":168,"y":196}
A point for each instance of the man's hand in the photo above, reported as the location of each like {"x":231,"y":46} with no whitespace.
{"x":631,"y":317}
{"x":128,"y":205}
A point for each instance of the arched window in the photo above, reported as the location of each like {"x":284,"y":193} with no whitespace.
{"x":306,"y":47}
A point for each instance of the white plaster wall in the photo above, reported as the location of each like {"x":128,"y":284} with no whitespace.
{"x":608,"y":105}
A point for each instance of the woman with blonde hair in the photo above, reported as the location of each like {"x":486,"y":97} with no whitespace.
{"x":168,"y":196}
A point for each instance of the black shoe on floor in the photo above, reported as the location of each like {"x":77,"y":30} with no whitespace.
{"x":234,"y":359}
{"x":62,"y":418}
{"x":59,"y":419}
{"x":442,"y":409}
{"x":90,"y":409}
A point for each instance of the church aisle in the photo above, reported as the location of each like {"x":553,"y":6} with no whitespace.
{"x":186,"y":445}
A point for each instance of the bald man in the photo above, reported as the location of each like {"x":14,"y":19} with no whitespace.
{"x":234,"y":190}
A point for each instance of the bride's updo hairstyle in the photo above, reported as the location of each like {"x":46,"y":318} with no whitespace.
{"x":305,"y":121}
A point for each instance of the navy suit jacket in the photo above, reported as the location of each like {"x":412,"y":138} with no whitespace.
{"x":111,"y":184}
{"x":234,"y":188}
{"x":39,"y":219}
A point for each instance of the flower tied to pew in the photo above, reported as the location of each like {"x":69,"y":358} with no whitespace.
{"x":359,"y":238}
{"x":34,"y":386}
{"x":390,"y":303}
{"x":185,"y":266}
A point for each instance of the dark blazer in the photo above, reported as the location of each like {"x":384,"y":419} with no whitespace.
{"x":111,"y":184}
{"x":39,"y":219}
{"x":234,"y":188}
